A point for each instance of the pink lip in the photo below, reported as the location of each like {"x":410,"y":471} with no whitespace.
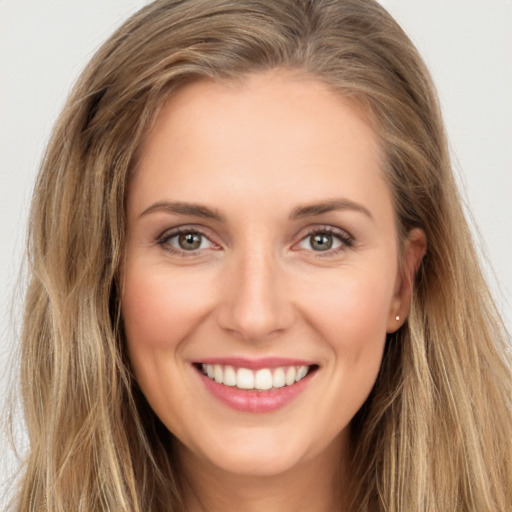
{"x":251,"y":400}
{"x":255,"y":364}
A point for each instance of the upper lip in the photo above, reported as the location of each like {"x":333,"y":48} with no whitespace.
{"x":255,"y":364}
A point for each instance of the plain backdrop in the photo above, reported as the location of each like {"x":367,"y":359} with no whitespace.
{"x":44,"y":44}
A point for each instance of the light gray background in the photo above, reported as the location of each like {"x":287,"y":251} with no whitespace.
{"x":466,"y":43}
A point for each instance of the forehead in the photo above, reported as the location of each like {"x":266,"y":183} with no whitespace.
{"x":273,"y":136}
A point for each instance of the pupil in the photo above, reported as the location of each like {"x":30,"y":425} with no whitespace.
{"x":190,"y":241}
{"x":321,"y":242}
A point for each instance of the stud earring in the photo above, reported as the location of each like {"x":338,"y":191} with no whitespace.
{"x":397,"y":318}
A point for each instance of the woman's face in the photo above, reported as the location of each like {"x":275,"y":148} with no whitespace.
{"x":261,"y":271}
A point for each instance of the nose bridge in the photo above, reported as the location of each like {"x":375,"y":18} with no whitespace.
{"x":256,"y":303}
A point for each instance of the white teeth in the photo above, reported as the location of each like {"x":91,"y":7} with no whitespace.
{"x":244,"y":379}
{"x":218,"y":373}
{"x":229,"y":376}
{"x":278,"y":378}
{"x":301,"y":373}
{"x":261,"y":380}
{"x":290,"y":375}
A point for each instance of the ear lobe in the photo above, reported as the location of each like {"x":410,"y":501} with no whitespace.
{"x":415,"y":249}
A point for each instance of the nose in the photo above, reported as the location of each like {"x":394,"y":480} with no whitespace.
{"x":256,"y":302}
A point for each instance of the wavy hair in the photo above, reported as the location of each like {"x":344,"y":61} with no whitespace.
{"x":434,"y":434}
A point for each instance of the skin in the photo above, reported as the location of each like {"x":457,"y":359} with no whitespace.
{"x":255,"y":152}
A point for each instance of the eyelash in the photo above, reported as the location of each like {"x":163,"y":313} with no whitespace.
{"x":347,"y":241}
{"x":164,"y":238}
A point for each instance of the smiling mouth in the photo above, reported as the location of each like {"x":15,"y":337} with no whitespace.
{"x":263,"y":379}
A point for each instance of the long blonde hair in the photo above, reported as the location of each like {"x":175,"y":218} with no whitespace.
{"x":434,"y":435}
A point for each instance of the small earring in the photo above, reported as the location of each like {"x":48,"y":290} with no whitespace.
{"x":397,"y":318}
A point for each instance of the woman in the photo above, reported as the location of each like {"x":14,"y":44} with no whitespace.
{"x":253,"y":284}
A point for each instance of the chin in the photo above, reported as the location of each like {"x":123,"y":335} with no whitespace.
{"x":260,"y":453}
{"x":256,"y":462}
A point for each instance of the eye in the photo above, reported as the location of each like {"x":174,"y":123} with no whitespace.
{"x":189,"y":241}
{"x":326,"y":240}
{"x":321,"y":242}
{"x":185,"y":240}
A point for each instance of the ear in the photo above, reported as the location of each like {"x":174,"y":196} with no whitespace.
{"x":415,"y":249}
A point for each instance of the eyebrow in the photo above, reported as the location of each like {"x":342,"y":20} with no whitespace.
{"x":310,"y":210}
{"x":196,"y":210}
{"x":327,"y":206}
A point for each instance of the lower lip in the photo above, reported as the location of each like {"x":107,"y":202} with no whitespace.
{"x":252,"y":400}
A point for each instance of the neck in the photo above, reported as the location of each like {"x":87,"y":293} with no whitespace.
{"x":316,"y":485}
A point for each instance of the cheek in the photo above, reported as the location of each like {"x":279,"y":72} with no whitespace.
{"x":363,"y":309}
{"x":354,"y":303}
{"x":160,"y":308}
{"x":352,"y":319}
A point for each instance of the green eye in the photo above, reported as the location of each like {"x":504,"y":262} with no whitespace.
{"x":327,"y":239}
{"x":321,"y":242}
